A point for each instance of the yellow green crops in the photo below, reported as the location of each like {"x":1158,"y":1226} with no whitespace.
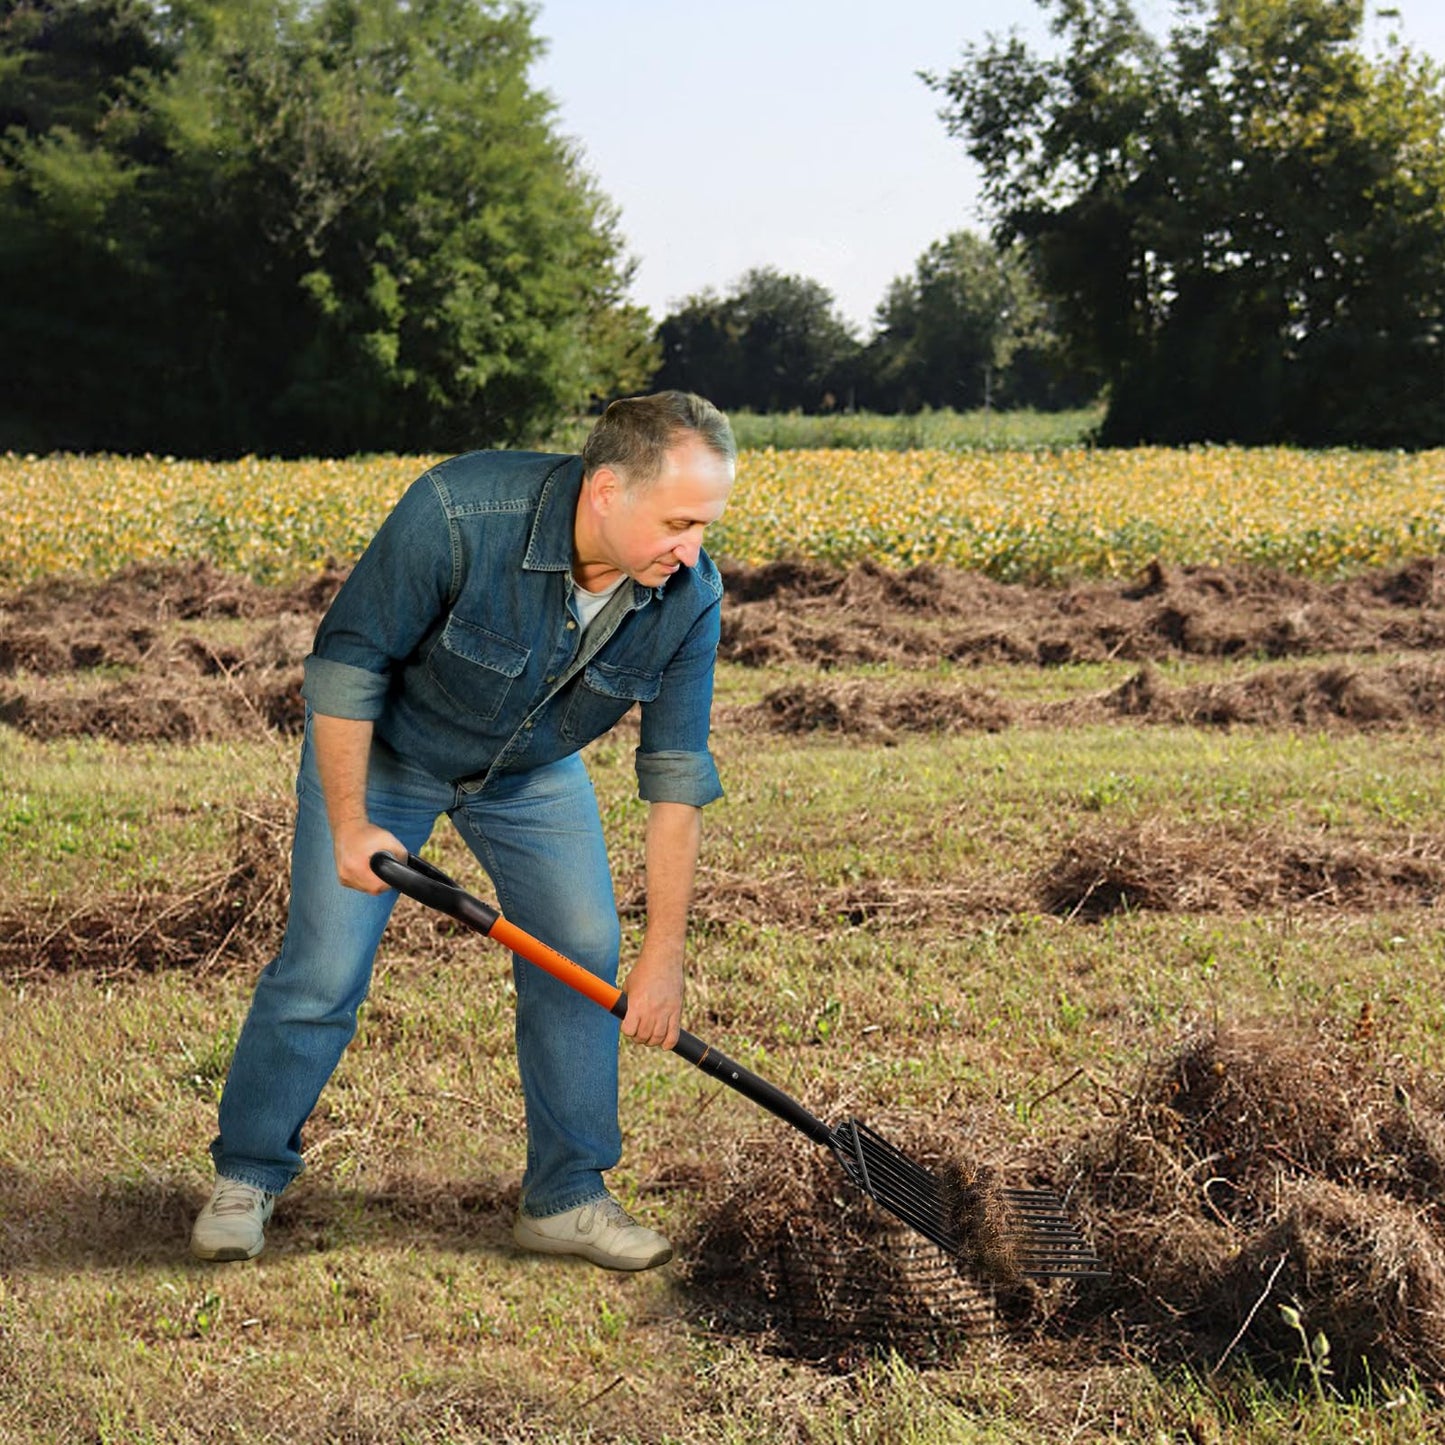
{"x":1017,"y":516}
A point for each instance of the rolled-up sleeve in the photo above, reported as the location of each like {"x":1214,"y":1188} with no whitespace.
{"x":674,"y":764}
{"x":674,"y":777}
{"x":339,"y":689}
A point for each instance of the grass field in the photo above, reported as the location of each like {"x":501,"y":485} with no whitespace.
{"x":924,"y":431}
{"x":875,"y":933}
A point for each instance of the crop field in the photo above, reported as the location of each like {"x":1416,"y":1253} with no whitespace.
{"x":1046,"y":515}
{"x":1083,"y":822}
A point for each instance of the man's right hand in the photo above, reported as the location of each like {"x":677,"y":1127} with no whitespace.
{"x":343,"y":746}
{"x":353,"y":845}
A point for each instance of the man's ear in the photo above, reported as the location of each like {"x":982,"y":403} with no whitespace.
{"x":606,"y":486}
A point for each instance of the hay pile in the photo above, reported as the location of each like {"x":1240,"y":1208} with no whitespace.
{"x":1253,"y":1171}
{"x":862,"y":711}
{"x":799,"y":1256}
{"x":1154,"y":867}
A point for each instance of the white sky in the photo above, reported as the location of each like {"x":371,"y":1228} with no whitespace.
{"x":789,"y":133}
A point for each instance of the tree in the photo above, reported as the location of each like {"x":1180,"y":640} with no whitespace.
{"x":76,"y":146}
{"x":1242,"y":229}
{"x":967,"y":329}
{"x":296,"y":226}
{"x":773,"y":343}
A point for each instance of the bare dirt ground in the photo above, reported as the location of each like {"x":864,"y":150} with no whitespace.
{"x":135,"y":658}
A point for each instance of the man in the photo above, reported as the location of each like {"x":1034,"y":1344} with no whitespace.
{"x":512,"y":608}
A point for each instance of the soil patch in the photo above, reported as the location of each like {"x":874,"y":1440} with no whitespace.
{"x":127,"y":658}
{"x":235,"y":916}
{"x":1255,"y":1173}
{"x":879,"y":714}
{"x":150,"y":594}
{"x":1150,"y":866}
{"x":1410,"y":693}
{"x":187,"y":691}
{"x":149,"y":709}
{"x":826,"y":617}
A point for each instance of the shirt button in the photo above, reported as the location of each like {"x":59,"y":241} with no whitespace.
{"x":571,"y":625}
{"x":553,"y":678}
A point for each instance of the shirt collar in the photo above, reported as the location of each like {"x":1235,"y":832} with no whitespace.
{"x":549,"y":548}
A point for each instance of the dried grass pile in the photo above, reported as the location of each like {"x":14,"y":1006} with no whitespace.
{"x":1253,"y":1171}
{"x":797,"y":1254}
{"x":860,"y":711}
{"x":1152,"y":866}
{"x":231,"y":914}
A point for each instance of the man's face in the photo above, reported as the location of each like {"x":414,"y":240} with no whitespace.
{"x":652,"y":529}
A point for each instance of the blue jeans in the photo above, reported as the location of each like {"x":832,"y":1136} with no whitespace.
{"x":539,"y":838}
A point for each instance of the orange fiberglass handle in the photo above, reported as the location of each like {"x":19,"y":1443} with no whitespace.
{"x":559,"y":966}
{"x":428,"y":884}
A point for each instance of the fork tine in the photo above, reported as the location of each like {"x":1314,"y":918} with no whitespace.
{"x":1035,"y":1238}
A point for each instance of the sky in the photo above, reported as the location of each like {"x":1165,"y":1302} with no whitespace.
{"x":794,"y":134}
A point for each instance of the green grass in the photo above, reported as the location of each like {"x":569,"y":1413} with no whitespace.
{"x":868,"y":431}
{"x":87,"y":815}
{"x":390,"y":1304}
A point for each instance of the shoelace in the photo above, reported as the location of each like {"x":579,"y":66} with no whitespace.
{"x":604,"y":1212}
{"x":233,"y":1197}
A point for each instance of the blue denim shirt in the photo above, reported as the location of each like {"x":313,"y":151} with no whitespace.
{"x":455,"y":634}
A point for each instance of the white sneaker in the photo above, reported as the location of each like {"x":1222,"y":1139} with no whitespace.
{"x":601,"y":1231}
{"x":233,"y":1223}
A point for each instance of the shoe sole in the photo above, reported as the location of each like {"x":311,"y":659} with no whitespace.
{"x":227,"y":1253}
{"x":540,"y":1244}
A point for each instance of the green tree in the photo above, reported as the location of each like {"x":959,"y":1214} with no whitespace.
{"x":773,"y":343}
{"x":297,"y":228}
{"x":1242,"y":229}
{"x":967,"y":329}
{"x":76,"y":149}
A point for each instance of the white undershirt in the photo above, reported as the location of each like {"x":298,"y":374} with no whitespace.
{"x":589,"y":604}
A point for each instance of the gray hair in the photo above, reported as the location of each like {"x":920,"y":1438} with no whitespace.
{"x":635,"y":433}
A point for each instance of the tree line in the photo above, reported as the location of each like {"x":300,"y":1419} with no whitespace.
{"x":271,"y":226}
{"x":335,"y":226}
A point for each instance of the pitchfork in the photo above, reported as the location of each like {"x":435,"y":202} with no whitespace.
{"x":1037,"y":1239}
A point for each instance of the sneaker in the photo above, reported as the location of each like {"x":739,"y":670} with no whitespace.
{"x":601,"y":1231}
{"x":233,"y":1223}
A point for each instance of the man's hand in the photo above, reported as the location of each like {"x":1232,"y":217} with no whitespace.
{"x":654,"y":999}
{"x":353,"y":845}
{"x":343,"y":746}
{"x":654,"y":987}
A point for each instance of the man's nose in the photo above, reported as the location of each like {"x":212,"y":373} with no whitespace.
{"x":687,"y":551}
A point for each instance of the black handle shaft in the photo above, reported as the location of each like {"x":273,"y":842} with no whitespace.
{"x":750,"y":1085}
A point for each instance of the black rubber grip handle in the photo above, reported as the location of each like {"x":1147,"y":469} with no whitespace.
{"x":717,"y":1065}
{"x":428,"y":884}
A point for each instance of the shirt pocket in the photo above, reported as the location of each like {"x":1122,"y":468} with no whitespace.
{"x":475,"y":668}
{"x":602,"y":697}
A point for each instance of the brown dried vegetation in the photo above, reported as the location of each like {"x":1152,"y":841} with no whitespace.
{"x":1253,"y":1169}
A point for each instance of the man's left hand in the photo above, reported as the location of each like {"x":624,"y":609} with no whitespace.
{"x":654,"y":1000}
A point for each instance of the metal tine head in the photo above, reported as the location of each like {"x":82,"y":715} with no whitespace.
{"x":1009,"y":1234}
